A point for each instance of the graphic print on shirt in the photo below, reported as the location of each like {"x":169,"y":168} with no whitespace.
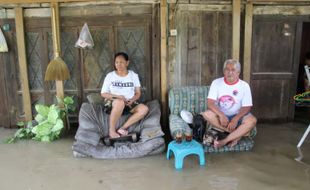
{"x":120,"y":84}
{"x":226,"y":102}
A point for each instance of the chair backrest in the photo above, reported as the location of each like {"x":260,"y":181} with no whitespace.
{"x":190,"y":98}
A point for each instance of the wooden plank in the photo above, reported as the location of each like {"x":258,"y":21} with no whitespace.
{"x":193,"y":66}
{"x":209,"y":49}
{"x":296,"y":62}
{"x":277,"y":1}
{"x":247,"y":42}
{"x":281,"y":10}
{"x":224,"y":40}
{"x":19,"y":23}
{"x":236,"y":13}
{"x":68,"y":1}
{"x":163,"y":57}
{"x":155,"y":52}
{"x":182,"y":47}
{"x":199,"y":7}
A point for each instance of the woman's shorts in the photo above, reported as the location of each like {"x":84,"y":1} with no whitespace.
{"x":128,"y":109}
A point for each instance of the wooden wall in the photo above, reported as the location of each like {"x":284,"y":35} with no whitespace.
{"x":114,"y":28}
{"x":195,"y":55}
{"x":204,"y":42}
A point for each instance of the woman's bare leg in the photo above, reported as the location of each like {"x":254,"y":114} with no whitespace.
{"x":116,"y":112}
{"x":138,"y":113}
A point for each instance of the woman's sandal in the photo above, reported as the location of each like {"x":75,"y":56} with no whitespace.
{"x":122,"y":132}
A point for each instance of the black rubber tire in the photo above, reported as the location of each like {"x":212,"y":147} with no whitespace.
{"x":107,"y":141}
{"x":134,"y":137}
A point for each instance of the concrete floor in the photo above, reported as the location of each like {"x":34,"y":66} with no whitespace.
{"x":30,"y":165}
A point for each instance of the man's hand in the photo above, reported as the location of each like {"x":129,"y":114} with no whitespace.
{"x":232,"y":124}
{"x":223,"y":120}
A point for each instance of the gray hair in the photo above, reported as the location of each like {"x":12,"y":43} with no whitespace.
{"x":233,"y":61}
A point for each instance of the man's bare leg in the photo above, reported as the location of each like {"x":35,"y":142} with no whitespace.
{"x":116,"y":112}
{"x":213,"y":119}
{"x":247,"y":125}
{"x":138,"y":113}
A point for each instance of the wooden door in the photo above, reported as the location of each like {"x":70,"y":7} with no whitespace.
{"x":9,"y":107}
{"x":275,"y":50}
{"x":203,"y":44}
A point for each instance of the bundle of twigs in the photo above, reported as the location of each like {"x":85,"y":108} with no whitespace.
{"x":57,"y":68}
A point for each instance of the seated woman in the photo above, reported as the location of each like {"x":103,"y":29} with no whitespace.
{"x":122,"y":88}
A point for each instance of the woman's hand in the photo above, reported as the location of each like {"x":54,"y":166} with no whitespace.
{"x":121,"y":97}
{"x":129,"y":102}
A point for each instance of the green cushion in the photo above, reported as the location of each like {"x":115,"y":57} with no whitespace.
{"x":245,"y":144}
{"x":190,"y":98}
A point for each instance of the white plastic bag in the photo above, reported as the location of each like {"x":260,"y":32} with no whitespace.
{"x":85,"y":39}
{"x":3,"y":44}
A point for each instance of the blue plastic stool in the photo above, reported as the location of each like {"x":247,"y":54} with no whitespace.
{"x":181,"y":150}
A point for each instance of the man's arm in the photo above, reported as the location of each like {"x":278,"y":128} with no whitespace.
{"x":242,"y":112}
{"x":214,"y":108}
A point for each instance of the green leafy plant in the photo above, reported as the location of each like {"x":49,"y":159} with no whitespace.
{"x":49,"y":122}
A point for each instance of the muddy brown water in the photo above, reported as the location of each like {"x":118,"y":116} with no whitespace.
{"x":31,"y":165}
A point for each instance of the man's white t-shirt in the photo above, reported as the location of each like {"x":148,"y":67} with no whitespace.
{"x":121,"y":85}
{"x":230,"y":97}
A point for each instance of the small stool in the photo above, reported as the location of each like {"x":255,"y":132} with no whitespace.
{"x":183,"y":149}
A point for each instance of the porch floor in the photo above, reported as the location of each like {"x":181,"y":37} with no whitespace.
{"x":30,"y":165}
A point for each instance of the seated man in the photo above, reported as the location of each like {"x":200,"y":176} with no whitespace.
{"x":229,"y":105}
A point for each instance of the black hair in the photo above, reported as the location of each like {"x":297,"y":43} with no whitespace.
{"x":123,"y":54}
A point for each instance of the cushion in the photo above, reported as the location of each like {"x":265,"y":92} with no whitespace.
{"x":245,"y":144}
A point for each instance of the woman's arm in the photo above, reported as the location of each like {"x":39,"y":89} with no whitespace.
{"x":110,"y":96}
{"x":135,"y":97}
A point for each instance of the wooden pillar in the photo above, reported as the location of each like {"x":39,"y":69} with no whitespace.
{"x":248,"y":42}
{"x":22,"y":61}
{"x":163,"y":57}
{"x":236,"y":12}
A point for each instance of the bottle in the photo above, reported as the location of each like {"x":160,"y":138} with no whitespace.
{"x":178,"y":136}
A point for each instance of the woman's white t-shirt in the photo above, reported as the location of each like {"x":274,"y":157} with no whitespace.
{"x":230,"y":97}
{"x":121,"y":85}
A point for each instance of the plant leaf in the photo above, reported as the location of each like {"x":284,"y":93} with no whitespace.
{"x":42,"y":109}
{"x":42,"y":129}
{"x":58,"y":126}
{"x":53,"y":115}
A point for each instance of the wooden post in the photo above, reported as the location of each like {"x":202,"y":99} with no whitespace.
{"x":247,"y":42}
{"x":22,"y":61}
{"x":163,"y":57}
{"x":236,"y":12}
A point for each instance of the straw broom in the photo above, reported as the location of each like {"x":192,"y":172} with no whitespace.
{"x":57,"y":68}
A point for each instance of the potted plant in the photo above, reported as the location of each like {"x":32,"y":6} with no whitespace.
{"x":48,"y":123}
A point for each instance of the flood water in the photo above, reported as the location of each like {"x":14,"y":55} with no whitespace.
{"x":31,"y":165}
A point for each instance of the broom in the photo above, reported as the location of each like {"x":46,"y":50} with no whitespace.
{"x":57,"y":68}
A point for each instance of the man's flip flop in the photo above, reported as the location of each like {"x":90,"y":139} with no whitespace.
{"x":122,"y":132}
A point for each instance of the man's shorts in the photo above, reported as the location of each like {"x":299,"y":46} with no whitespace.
{"x":239,"y":121}
{"x":128,"y":109}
